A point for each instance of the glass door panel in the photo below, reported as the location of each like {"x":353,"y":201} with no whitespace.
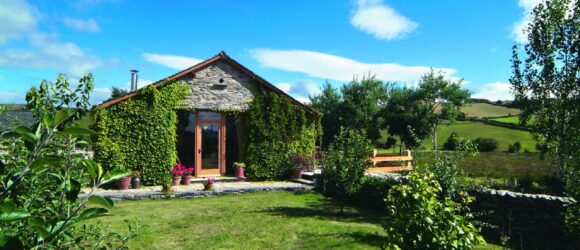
{"x":210,"y":147}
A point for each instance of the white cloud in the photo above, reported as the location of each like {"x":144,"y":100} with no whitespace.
{"x":171,"y":61}
{"x":48,"y":52}
{"x":16,"y":18}
{"x":518,"y":31}
{"x":99,"y":95}
{"x":494,"y":91}
{"x":326,"y":66}
{"x":300,"y":89}
{"x":284,"y":86}
{"x":380,"y":20}
{"x":89,"y":25}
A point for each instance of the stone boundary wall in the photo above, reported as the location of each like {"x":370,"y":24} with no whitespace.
{"x":532,"y":221}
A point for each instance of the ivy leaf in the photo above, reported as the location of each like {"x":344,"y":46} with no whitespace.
{"x":103,"y":201}
{"x":76,"y":131}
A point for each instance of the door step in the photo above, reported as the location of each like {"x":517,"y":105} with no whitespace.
{"x":303,"y":181}
{"x":217,"y":179}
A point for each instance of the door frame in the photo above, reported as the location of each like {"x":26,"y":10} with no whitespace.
{"x":221,"y":170}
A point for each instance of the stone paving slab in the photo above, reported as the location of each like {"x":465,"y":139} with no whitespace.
{"x":195,"y":190}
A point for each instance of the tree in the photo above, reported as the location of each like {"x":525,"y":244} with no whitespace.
{"x":345,"y":162}
{"x":362,"y":101}
{"x":42,"y":175}
{"x":404,"y":117}
{"x":355,"y":107}
{"x":485,"y":144}
{"x":546,"y":85}
{"x":328,"y":104}
{"x":117,"y":92}
{"x":442,"y":98}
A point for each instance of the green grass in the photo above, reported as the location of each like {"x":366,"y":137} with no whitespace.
{"x":270,"y":220}
{"x":471,"y":130}
{"x":274,"y":220}
{"x":488,"y":110}
{"x":511,"y":119}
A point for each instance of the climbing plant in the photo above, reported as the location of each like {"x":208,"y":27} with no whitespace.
{"x":276,"y":130}
{"x":139,"y":133}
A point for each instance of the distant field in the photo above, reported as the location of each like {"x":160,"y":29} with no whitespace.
{"x":488,"y":110}
{"x":511,"y":119}
{"x":471,"y":130}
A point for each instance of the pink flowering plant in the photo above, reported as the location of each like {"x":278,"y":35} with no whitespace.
{"x":180,"y":169}
{"x":210,"y":180}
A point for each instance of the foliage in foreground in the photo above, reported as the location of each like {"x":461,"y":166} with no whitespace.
{"x":419,"y":219}
{"x":345,"y":162}
{"x":546,"y":83}
{"x":42,"y":175}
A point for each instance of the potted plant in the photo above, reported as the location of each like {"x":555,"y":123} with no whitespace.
{"x":124,"y":183}
{"x":166,"y":183}
{"x":187,"y":175}
{"x":136,"y":180}
{"x":240,"y":170}
{"x":208,"y":185}
{"x":177,"y":172}
{"x":299,"y":163}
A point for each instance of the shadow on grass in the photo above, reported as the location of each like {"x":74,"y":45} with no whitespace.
{"x":328,"y":240}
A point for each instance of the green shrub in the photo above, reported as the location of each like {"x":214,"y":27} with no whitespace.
{"x":486,"y":144}
{"x":144,"y":129}
{"x":418,"y":219}
{"x":452,"y":142}
{"x":516,"y":147}
{"x":276,"y":130}
{"x":345,"y":162}
{"x":372,"y":192}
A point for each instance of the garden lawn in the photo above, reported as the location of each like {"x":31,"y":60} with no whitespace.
{"x":268,"y":220}
{"x":471,"y":130}
{"x":510,"y":119}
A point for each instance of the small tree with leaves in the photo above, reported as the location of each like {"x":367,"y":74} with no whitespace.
{"x":442,"y":98}
{"x":546,"y":84}
{"x":345,"y":162}
{"x":41,"y":175}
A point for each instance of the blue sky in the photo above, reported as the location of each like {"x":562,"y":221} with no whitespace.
{"x":296,"y":45}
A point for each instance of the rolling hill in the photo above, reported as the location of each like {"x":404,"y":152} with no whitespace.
{"x":482,"y":110}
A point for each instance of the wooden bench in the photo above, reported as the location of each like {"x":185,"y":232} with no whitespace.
{"x":391,"y":162}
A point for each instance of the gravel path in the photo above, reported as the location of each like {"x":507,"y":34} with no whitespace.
{"x":195,"y":190}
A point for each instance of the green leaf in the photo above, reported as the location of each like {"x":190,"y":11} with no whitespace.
{"x":26,"y":134}
{"x":103,"y":201}
{"x":39,"y":226}
{"x":61,"y":116}
{"x":77,"y":131}
{"x":72,"y":189}
{"x":113,"y":176}
{"x":92,"y":168}
{"x":14,"y":215}
{"x":92,"y":212}
{"x":45,"y":161}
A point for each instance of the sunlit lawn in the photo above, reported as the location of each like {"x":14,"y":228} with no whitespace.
{"x":271,"y":220}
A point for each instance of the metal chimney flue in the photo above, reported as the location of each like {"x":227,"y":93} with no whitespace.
{"x":134,"y":79}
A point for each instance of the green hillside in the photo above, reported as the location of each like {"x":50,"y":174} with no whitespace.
{"x":471,"y":130}
{"x":488,"y":110}
{"x":511,"y":119}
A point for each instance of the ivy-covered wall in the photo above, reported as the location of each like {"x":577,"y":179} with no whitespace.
{"x":276,"y":130}
{"x":139,"y":133}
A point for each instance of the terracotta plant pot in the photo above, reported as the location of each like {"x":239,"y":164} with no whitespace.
{"x":296,"y":173}
{"x":207,"y":186}
{"x":166,"y":189}
{"x":186,"y":179}
{"x":176,"y":180}
{"x":123,"y":183}
{"x":240,"y":173}
{"x":136,"y":183}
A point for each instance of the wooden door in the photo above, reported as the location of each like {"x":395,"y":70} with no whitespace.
{"x":210,"y":144}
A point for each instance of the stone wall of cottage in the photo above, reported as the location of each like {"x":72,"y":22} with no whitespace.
{"x":207,"y":94}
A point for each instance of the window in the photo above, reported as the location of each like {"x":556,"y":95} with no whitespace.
{"x":210,"y":116}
